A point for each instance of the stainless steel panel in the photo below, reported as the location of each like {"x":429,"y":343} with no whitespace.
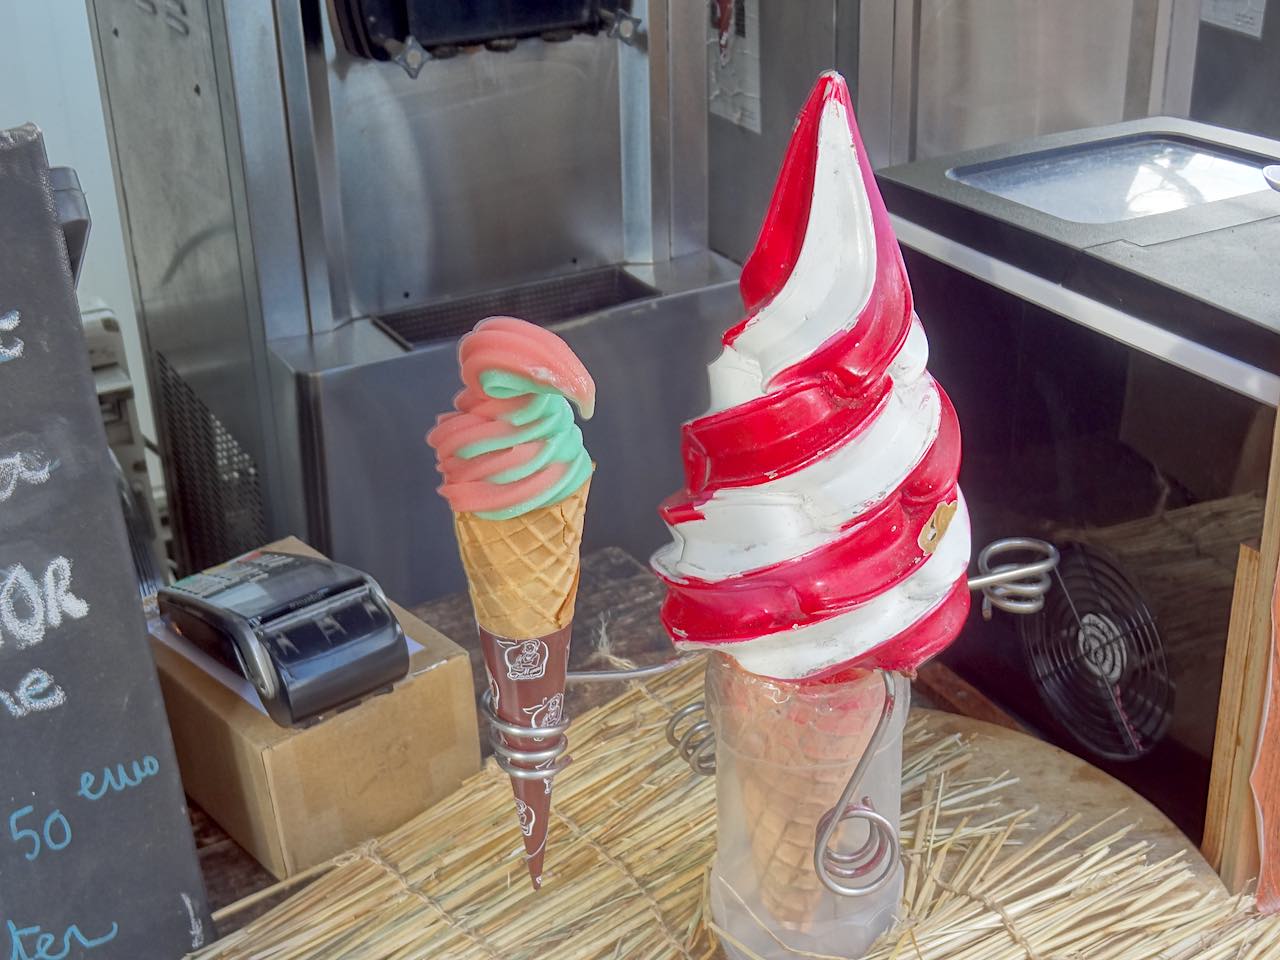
{"x":275,"y":188}
{"x":486,"y":169}
{"x":991,"y":71}
{"x":303,"y":68}
{"x":169,"y":111}
{"x":643,"y":136}
{"x":662,"y":82}
{"x":874,"y":70}
{"x":1236,"y":77}
{"x":904,"y":102}
{"x":544,"y":302}
{"x":797,"y":42}
{"x":936,"y":76}
{"x":258,"y":155}
{"x":686,"y":153}
{"x":1143,"y":42}
{"x":380,"y":476}
{"x":1172,"y":81}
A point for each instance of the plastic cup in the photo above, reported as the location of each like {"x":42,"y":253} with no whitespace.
{"x":784,"y":752}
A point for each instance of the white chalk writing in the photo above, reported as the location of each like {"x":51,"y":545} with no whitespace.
{"x":26,"y":611}
{"x":9,"y":321}
{"x":35,"y":692}
{"x":197,"y":925}
{"x":22,"y":468}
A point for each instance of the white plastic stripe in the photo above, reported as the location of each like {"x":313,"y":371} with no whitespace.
{"x":827,"y":289}
{"x":1196,"y":358}
{"x":804,"y":651}
{"x":742,"y":529}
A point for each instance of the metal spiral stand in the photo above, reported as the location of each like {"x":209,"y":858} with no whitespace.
{"x":698,"y":743}
{"x":1014,"y":587}
{"x":540,"y":764}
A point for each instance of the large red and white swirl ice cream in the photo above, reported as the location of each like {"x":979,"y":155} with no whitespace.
{"x":821,"y":526}
{"x":820,"y":532}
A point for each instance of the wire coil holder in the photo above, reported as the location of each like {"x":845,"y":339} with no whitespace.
{"x":540,"y":764}
{"x":698,"y":743}
{"x":873,"y":863}
{"x":1014,"y":587}
{"x":1018,"y":588}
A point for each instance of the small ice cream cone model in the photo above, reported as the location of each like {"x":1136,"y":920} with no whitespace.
{"x":517,"y":476}
{"x":821,"y":534}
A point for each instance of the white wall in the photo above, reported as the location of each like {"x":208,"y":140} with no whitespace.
{"x":47,"y":77}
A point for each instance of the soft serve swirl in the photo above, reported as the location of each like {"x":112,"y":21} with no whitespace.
{"x":511,"y":445}
{"x":821,"y":526}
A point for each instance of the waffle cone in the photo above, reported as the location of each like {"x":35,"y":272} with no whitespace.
{"x":792,"y":761}
{"x":523,"y":572}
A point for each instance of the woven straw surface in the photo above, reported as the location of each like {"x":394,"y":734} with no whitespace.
{"x":633,"y":835}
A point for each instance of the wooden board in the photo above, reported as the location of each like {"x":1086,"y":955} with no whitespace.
{"x":1264,"y":781}
{"x":1231,"y":828}
{"x":96,"y":856}
{"x":1224,"y":810}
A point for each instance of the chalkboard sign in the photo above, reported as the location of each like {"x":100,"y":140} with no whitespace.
{"x":96,"y":854}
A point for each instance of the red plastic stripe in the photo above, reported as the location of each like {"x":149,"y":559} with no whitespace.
{"x":904,"y":651}
{"x":776,"y":435}
{"x":812,"y":408}
{"x":877,"y":553}
{"x":824,"y":399}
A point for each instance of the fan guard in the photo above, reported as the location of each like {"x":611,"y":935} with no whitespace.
{"x":1097,"y":658}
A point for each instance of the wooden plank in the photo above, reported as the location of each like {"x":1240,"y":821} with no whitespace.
{"x":1238,"y":840}
{"x":949,"y":691}
{"x":1226,"y":742}
{"x":1265,"y":779}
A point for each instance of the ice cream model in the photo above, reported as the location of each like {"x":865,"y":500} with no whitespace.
{"x":820,"y":537}
{"x":516,"y":476}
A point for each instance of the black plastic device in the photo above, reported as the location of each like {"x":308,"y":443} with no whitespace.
{"x":311,"y":635}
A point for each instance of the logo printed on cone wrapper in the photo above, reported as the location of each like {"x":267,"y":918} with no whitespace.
{"x":495,"y":695}
{"x":546,"y":784}
{"x":933,"y":531}
{"x":526,"y":660}
{"x":548,"y":713}
{"x":526,"y":816}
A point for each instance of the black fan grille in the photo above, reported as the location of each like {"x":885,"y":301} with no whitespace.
{"x":1098,"y":660}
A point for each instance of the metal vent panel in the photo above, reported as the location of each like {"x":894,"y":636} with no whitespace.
{"x":215,"y":493}
{"x":543,"y":302}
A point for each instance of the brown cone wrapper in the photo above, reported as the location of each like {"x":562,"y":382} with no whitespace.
{"x":526,"y":685}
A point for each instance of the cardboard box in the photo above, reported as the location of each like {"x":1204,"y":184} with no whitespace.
{"x":296,"y":797}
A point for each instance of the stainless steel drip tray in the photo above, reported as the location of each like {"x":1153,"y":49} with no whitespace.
{"x":546,"y":301}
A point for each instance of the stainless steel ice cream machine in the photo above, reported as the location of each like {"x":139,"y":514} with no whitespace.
{"x":319,"y":196}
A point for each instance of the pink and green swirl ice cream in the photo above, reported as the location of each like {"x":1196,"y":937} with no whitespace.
{"x":511,"y":446}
